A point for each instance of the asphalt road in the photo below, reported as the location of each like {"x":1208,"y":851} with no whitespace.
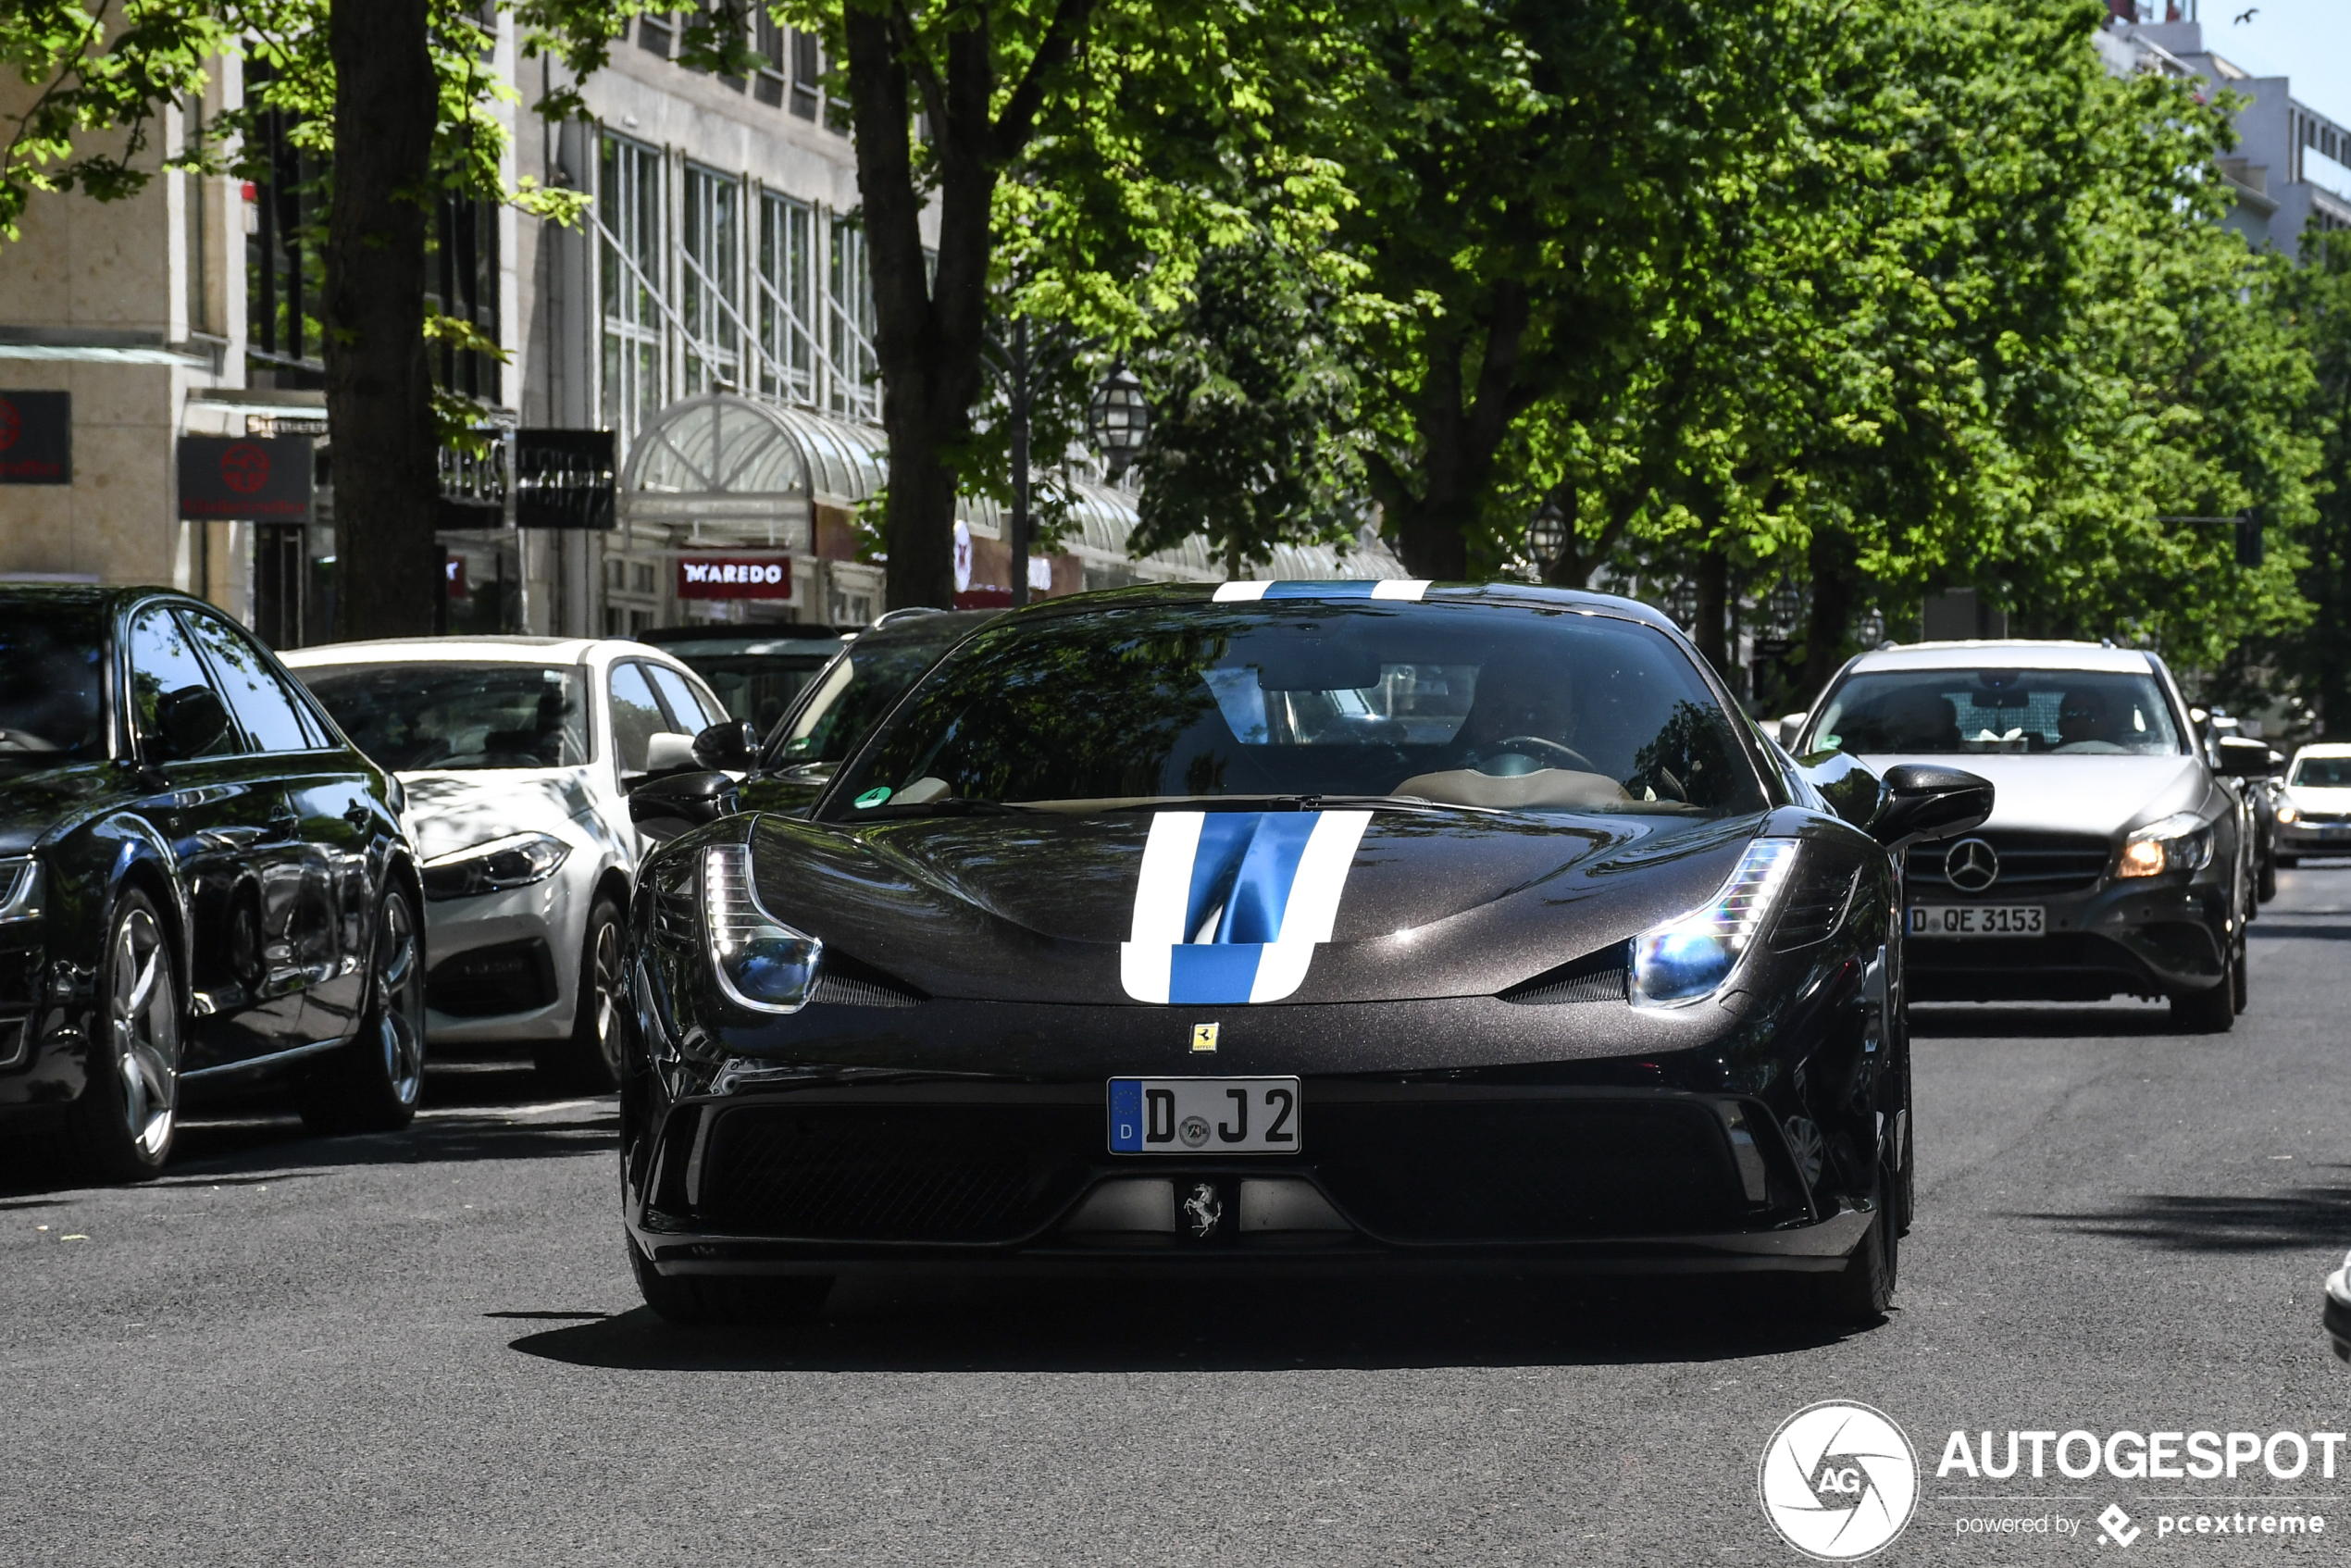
{"x":425,"y":1348}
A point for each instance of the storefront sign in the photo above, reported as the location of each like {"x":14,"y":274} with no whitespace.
{"x":734,"y":577}
{"x":564,"y":480}
{"x":36,"y":438}
{"x":263,"y":478}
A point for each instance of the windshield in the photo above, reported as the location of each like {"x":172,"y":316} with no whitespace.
{"x":1976,"y":711}
{"x":857,"y":690}
{"x":457,"y":715}
{"x":2322,"y":773}
{"x":52,"y":687}
{"x":757,"y":680}
{"x":1475,"y":705}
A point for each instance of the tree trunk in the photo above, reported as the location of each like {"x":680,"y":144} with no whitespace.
{"x":1710,"y":627}
{"x":388,"y":571}
{"x":1835,"y":586}
{"x":1460,"y":428}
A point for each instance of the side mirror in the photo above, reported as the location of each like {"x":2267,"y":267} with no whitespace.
{"x":1926,"y":801}
{"x":1791,"y":726}
{"x":663,"y":808}
{"x":732,"y":746}
{"x":669,"y":752}
{"x":2243,"y":757}
{"x":192,"y":719}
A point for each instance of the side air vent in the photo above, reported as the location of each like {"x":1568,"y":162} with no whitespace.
{"x":842,"y":981}
{"x":1814,"y":906}
{"x":1597,"y":977}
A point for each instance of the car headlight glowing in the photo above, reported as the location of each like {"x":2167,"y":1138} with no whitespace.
{"x":1689,"y":959}
{"x":761,"y":962}
{"x":516,"y":861}
{"x":2181,"y":841}
{"x":2286,"y":813}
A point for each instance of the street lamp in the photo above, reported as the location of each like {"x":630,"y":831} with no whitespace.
{"x":1546,"y":536}
{"x":1119,"y":419}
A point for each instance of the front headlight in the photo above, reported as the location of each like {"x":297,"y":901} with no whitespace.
{"x":517,"y":860}
{"x":2286,"y":811}
{"x":21,"y":888}
{"x":761,"y":962}
{"x":1689,"y":959}
{"x":2181,"y":841}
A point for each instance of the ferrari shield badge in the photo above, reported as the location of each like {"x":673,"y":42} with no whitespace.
{"x":1203,"y":1037}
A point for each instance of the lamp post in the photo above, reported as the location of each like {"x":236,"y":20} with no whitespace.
{"x":1119,"y":418}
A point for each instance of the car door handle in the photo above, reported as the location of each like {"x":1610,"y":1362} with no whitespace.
{"x":282,"y":826}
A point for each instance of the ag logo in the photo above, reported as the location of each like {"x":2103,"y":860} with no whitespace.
{"x":244,"y":468}
{"x":1971,"y":865}
{"x":1194,"y":1131}
{"x":1838,"y":1481}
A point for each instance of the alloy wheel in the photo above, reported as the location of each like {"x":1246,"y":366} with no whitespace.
{"x":400,"y":1001}
{"x":605,"y":976}
{"x":144,"y":1021}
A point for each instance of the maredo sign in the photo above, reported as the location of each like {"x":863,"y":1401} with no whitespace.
{"x":734,"y":577}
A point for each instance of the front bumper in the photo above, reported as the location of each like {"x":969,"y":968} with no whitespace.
{"x":1007,"y":1176}
{"x":2305,"y":837}
{"x":506,"y":965}
{"x":2158,"y":938}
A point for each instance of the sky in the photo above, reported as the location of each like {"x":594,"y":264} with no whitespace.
{"x":2307,"y":40}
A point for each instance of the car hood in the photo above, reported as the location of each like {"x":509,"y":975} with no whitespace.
{"x":452,"y":811}
{"x":2076,"y":794}
{"x":32,"y":804}
{"x":2306,"y":798}
{"x":1326,"y":906}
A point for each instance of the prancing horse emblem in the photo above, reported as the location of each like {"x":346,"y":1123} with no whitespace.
{"x":1971,"y":865}
{"x":1203,"y":1210}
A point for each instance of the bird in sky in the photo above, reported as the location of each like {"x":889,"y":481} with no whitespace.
{"x":2245,"y":16}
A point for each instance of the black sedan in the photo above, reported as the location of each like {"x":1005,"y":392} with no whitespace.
{"x":1289,"y":926}
{"x":202,"y":883}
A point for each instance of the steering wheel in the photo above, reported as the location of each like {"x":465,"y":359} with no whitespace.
{"x":1537,"y":742}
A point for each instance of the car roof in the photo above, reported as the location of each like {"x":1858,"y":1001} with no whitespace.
{"x":2006,"y":653}
{"x":1389,"y":591}
{"x":2322,"y":749}
{"x":407,"y":650}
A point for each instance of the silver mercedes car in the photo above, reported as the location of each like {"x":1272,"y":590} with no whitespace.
{"x":2117,"y":859}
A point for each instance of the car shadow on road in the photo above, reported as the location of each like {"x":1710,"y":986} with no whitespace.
{"x":2309,"y":1216}
{"x":2051,"y":1020}
{"x":468,"y":1114}
{"x":1121,"y":1325}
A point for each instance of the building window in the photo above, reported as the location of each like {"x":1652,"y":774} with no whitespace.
{"x":654,"y":32}
{"x":708,"y":281}
{"x":628,"y":208}
{"x":807,"y":74}
{"x":788,"y":299}
{"x":463,"y":283}
{"x":849,"y":323}
{"x":767,"y":37}
{"x":285,"y":274}
{"x":196,"y":199}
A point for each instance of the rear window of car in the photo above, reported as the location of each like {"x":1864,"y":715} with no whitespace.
{"x":458,"y":716}
{"x":2322,"y":773}
{"x":1997,"y":710}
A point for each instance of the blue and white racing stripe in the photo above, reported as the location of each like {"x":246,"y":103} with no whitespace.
{"x":1373,"y":587}
{"x":1231,"y":904}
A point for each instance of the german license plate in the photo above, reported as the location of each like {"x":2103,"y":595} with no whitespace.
{"x":1976,"y":919}
{"x":1203,"y":1116}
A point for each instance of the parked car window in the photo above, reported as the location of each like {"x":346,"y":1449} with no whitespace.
{"x":1972,"y":711}
{"x":636,"y":717}
{"x":1475,"y":706}
{"x":52,"y":688}
{"x":269,"y":712}
{"x":756,"y":677}
{"x":2322,"y":773}
{"x":163,"y":660}
{"x":460,"y":716}
{"x":688,"y":711}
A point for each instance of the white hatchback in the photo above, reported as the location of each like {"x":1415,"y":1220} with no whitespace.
{"x":2314,"y":808}
{"x":518,"y":755}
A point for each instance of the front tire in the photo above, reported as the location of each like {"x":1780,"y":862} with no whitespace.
{"x":588,"y":1060}
{"x":1862,"y":1291}
{"x":2212,"y":1011}
{"x":123,"y":1125}
{"x":373,"y":1083}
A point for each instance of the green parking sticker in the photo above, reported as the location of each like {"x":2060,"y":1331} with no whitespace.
{"x":873,"y":797}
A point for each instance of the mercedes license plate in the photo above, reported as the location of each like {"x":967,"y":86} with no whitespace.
{"x":1203,"y":1116}
{"x":1975,"y":920}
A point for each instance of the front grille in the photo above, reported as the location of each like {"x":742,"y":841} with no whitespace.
{"x":2030,"y":862}
{"x":1528,"y":1170}
{"x":509,"y":977}
{"x":910,"y":1172}
{"x":2326,"y":816}
{"x":845,"y":982}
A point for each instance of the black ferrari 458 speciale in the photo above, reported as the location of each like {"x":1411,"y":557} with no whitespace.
{"x":1286,"y":926}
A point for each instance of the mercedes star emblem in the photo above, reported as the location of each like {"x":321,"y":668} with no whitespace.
{"x":1971,"y":865}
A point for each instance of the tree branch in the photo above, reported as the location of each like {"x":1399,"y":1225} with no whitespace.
{"x":1012,"y":129}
